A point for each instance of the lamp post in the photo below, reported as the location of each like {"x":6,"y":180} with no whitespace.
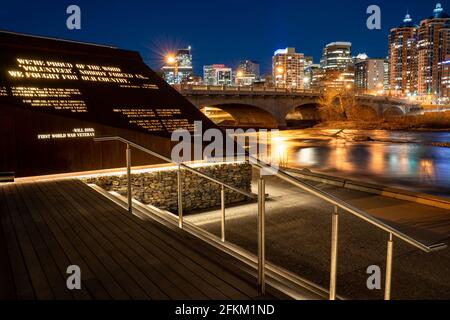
{"x":171,"y":60}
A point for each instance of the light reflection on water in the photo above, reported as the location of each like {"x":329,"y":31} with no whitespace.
{"x":390,"y":159}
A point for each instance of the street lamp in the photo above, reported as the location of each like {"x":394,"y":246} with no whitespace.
{"x":172,"y":61}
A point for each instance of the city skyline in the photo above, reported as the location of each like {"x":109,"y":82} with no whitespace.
{"x":417,"y":64}
{"x":291,"y":26}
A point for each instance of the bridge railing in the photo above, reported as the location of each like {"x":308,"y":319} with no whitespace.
{"x":188,"y":88}
{"x":262,"y":90}
{"x":391,"y":99}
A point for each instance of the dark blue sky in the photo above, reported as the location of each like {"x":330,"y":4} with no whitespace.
{"x":224,"y":31}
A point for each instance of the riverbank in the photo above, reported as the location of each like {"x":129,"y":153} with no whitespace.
{"x":436,"y":121}
{"x":382,"y":125}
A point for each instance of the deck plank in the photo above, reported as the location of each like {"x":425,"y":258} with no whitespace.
{"x":68,"y":242}
{"x":112,"y":243}
{"x":38,"y":278}
{"x":160,"y":269}
{"x":182,"y":274}
{"x":50,"y":225}
{"x":77,"y":236}
{"x":35,"y":208}
{"x":22,"y":283}
{"x":27,"y":209}
{"x":216,"y":275}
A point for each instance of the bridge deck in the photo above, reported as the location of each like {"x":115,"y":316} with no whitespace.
{"x":47,"y":226}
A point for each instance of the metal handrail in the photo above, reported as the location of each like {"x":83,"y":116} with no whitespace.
{"x":7,"y":177}
{"x":182,"y":165}
{"x":336,"y":202}
{"x":347,"y":207}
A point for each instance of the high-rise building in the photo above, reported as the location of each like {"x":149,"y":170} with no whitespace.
{"x":178,"y":68}
{"x":403,"y":57}
{"x":288,"y":69}
{"x":250,"y":67}
{"x":244,"y":79}
{"x":311,"y":72}
{"x":337,"y":56}
{"x":209,"y":74}
{"x":217,"y":75}
{"x":369,"y":75}
{"x":361,"y":68}
{"x":247,"y":73}
{"x":337,"y":66}
{"x":309,"y":61}
{"x":433,"y":46}
{"x":444,"y":70}
{"x":386,"y":74}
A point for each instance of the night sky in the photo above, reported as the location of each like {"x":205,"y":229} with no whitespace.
{"x":223,"y":31}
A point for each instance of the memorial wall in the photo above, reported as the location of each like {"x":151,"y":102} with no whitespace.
{"x":56,"y":95}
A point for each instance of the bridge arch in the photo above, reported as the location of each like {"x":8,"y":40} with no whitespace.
{"x":304,"y":115}
{"x":241,"y":115}
{"x":394,"y":111}
{"x":365,"y":112}
{"x":305,"y":111}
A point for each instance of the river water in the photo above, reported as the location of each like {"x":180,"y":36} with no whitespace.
{"x":395,"y":158}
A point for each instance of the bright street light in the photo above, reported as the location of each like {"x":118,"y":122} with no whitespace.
{"x":170,"y":59}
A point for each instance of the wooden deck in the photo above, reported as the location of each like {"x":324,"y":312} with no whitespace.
{"x":47,"y":226}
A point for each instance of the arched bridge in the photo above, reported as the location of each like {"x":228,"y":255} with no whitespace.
{"x":274,"y":107}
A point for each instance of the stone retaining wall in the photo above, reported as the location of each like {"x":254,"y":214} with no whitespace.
{"x":159,"y":188}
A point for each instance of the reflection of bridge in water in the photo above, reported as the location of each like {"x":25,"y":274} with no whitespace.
{"x":273,"y":107}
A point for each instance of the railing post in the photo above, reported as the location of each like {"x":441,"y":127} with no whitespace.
{"x":180,"y":198}
{"x":261,"y":236}
{"x":387,"y":285}
{"x":129,"y":195}
{"x":222,"y":203}
{"x":334,"y":252}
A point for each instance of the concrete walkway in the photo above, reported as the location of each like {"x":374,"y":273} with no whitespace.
{"x":298,"y":230}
